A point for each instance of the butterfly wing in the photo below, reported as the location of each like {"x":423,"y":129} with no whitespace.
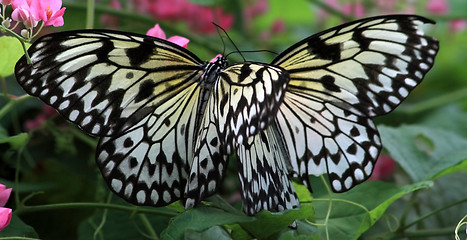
{"x":247,"y":95}
{"x":209,"y":161}
{"x":339,"y":79}
{"x":263,"y":174}
{"x":140,"y":94}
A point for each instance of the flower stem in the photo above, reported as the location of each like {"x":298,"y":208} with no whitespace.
{"x":130,"y":209}
{"x":433,"y":213}
{"x":434,"y":102}
{"x":148,"y":226}
{"x":90,"y":14}
{"x":5,"y":92}
{"x":11,"y":104}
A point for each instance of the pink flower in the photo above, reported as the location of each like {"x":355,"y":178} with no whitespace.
{"x":30,"y":12}
{"x":5,"y":213}
{"x":437,"y":6}
{"x":278,"y":26}
{"x":384,"y":168}
{"x":355,"y":9}
{"x":47,"y":112}
{"x":22,"y":13}
{"x":5,"y":2}
{"x":170,"y":9}
{"x":458,"y":25}
{"x":199,"y":18}
{"x":157,"y":32}
{"x":49,"y":11}
{"x":111,"y":20}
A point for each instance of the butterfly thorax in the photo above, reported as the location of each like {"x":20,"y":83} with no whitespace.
{"x":211,"y":71}
{"x":207,"y":81}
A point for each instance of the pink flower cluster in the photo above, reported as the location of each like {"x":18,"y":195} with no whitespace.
{"x":31,"y":12}
{"x":157,"y":32}
{"x":5,"y":213}
{"x":198,"y":18}
{"x":47,"y":112}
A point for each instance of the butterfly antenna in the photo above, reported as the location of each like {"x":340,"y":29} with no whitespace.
{"x":230,"y":39}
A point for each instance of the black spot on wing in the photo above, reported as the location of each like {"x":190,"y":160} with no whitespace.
{"x":141,"y":54}
{"x":324,"y":51}
{"x":329,"y":83}
{"x":146,"y":89}
{"x":244,"y":72}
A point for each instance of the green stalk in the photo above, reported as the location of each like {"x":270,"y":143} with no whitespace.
{"x":148,"y":226}
{"x":130,"y":209}
{"x":90,"y":10}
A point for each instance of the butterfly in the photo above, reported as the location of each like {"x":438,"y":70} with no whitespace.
{"x":168,"y":121}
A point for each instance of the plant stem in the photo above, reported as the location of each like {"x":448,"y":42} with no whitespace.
{"x":12,"y":103}
{"x":148,"y":226}
{"x":422,"y":234}
{"x":131,"y":209}
{"x":331,"y":10}
{"x":5,"y":92}
{"x":434,"y":102}
{"x":90,"y":10}
{"x":432,"y":213}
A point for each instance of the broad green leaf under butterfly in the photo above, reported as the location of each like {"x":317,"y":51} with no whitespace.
{"x":169,"y":121}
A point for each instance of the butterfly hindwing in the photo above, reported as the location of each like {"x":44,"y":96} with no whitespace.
{"x":248,"y":96}
{"x":339,"y":79}
{"x":209,"y":160}
{"x":140,"y":94}
{"x":263,"y":174}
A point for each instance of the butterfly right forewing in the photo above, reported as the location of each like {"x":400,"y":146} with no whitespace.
{"x":339,"y":80}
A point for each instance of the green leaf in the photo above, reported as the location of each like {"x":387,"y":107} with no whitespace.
{"x":304,"y":231}
{"x":212,"y":233}
{"x":17,"y":228}
{"x":15,"y":141}
{"x":263,"y":225}
{"x":354,"y":212}
{"x":423,"y":152}
{"x":118,"y":225}
{"x":11,"y":51}
{"x":269,"y":223}
{"x":199,"y":219}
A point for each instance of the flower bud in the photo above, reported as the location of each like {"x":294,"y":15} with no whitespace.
{"x":6,"y":23}
{"x":25,"y":33}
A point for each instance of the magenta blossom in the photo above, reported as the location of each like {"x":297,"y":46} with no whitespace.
{"x":30,"y":12}
{"x":47,"y":112}
{"x":198,"y":17}
{"x":22,"y":13}
{"x":458,"y":25}
{"x":384,"y":168}
{"x":437,"y":6}
{"x":5,"y":213}
{"x":157,"y":32}
{"x":5,"y":2}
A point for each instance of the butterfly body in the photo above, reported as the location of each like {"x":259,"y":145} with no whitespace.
{"x":168,"y":121}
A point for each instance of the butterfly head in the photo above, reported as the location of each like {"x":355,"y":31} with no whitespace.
{"x":213,"y":67}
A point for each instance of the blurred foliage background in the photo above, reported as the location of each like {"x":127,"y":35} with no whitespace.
{"x":56,"y":160}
